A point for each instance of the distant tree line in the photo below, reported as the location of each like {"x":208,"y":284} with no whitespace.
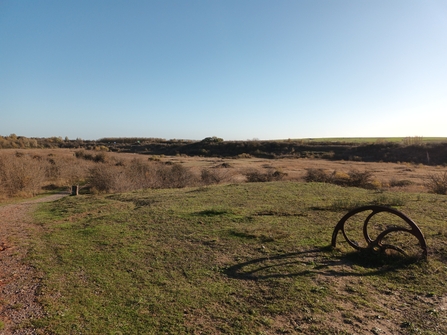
{"x":410,"y":149}
{"x":21,"y":142}
{"x":430,"y":153}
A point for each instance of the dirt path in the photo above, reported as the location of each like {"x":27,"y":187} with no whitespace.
{"x":18,"y":281}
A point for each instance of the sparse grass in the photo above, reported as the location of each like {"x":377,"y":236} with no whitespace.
{"x":251,"y":258}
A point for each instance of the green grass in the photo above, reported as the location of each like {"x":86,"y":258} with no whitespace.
{"x":234,"y":259}
{"x":374,"y":139}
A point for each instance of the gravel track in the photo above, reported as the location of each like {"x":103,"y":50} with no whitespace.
{"x":19,"y":282}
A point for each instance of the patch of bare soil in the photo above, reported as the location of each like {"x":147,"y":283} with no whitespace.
{"x":18,"y":281}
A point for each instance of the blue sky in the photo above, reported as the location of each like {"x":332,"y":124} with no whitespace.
{"x":236,"y":69}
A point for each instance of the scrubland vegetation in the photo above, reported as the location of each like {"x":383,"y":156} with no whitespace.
{"x":25,"y":173}
{"x":178,"y":245}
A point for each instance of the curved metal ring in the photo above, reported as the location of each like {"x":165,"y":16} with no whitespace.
{"x":377,"y":244}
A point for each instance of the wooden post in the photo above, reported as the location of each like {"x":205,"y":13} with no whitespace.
{"x":75,"y":190}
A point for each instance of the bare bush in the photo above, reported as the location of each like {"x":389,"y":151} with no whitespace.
{"x":353,"y":178}
{"x":270,"y":175}
{"x":100,"y":157}
{"x":437,"y":183}
{"x":51,"y":169}
{"x":174,"y":176}
{"x":105,"y":178}
{"x":317,"y":176}
{"x":80,"y":153}
{"x":109,"y":178}
{"x":400,"y":182}
{"x":20,"y":175}
{"x":63,"y":171}
{"x":209,"y":177}
{"x":72,"y":172}
{"x":361,"y":179}
{"x":141,"y":174}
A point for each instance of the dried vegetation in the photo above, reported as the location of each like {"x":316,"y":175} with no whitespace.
{"x":25,"y":172}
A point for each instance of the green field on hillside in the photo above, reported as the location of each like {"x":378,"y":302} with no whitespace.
{"x":378,"y":139}
{"x":250,"y":258}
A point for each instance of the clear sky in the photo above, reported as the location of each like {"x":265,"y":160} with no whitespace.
{"x":236,"y":69}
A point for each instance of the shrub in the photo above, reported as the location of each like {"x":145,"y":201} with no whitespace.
{"x":353,"y":178}
{"x":360,"y":179}
{"x":72,"y":174}
{"x":88,"y":157}
{"x":400,"y":183}
{"x":209,"y":177}
{"x":437,"y":183}
{"x":80,"y":154}
{"x":271,"y":175}
{"x":21,"y":175}
{"x":101,"y":148}
{"x":174,"y":176}
{"x":317,"y":176}
{"x":224,"y":165}
{"x":375,"y":184}
{"x":100,"y":158}
{"x":141,"y":174}
{"x":108,"y":179}
{"x":340,"y":178}
{"x":255,"y":177}
{"x":277,"y":175}
{"x":52,"y":170}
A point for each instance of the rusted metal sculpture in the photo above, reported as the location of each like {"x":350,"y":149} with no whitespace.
{"x":377,"y":245}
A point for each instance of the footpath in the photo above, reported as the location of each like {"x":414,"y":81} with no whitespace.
{"x":19,"y":282}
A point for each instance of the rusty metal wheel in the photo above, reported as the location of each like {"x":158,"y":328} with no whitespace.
{"x":394,"y":231}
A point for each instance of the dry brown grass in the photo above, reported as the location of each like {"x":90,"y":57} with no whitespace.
{"x":393,"y":176}
{"x":23,"y":172}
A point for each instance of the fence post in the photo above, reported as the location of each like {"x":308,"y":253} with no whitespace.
{"x":75,"y":190}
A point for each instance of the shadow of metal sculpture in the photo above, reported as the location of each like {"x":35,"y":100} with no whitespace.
{"x":384,"y":241}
